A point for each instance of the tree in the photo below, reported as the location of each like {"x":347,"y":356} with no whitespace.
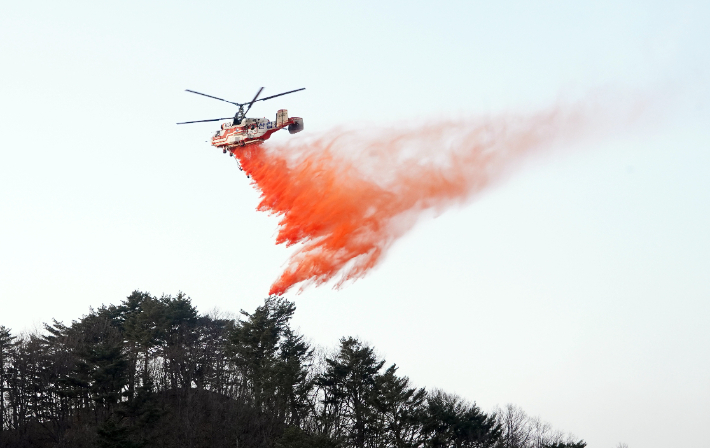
{"x":271,"y":360}
{"x":350,"y":383}
{"x":515,"y":426}
{"x":180,"y":341}
{"x":293,"y":381}
{"x":579,"y":444}
{"x":100,"y":369}
{"x":452,"y":422}
{"x":256,"y":342}
{"x":6,"y":340}
{"x":400,"y":408}
{"x":519,"y":430}
{"x":142,"y":318}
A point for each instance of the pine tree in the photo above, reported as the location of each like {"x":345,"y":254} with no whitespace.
{"x":401,"y":409}
{"x":451,"y":422}
{"x":350,"y":381}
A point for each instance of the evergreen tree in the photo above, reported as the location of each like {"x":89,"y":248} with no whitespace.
{"x":271,"y":361}
{"x":142,"y":318}
{"x":350,"y":382}
{"x":401,"y":409}
{"x":451,"y":422}
{"x":179,"y":334}
{"x":255,"y":343}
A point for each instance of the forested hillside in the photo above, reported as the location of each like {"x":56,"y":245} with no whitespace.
{"x":152,"y":372}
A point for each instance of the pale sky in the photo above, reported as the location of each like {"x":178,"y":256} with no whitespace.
{"x":578,"y":288}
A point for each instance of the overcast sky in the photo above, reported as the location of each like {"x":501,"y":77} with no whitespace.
{"x":577,"y":289}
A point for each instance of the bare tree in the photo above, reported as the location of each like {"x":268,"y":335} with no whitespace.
{"x":523,"y":431}
{"x":5,"y":347}
{"x":516,"y":426}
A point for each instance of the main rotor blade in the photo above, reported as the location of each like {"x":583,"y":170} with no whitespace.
{"x":214,"y":97}
{"x":252,"y":101}
{"x":285,"y":93}
{"x":202,"y":121}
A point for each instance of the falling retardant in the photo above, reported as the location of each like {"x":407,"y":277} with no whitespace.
{"x":343,"y":197}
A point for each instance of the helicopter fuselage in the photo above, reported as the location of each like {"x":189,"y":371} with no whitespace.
{"x":254,"y":130}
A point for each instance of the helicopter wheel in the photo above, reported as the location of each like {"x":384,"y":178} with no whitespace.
{"x":224,"y":151}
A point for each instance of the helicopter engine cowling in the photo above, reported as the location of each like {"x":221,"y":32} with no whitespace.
{"x":297,"y":125}
{"x":281,"y":117}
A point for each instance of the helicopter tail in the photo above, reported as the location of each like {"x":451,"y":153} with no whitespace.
{"x":297,"y":125}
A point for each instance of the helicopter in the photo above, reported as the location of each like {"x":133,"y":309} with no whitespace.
{"x":242,"y":131}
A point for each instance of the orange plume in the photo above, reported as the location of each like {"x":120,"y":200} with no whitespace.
{"x":344,"y":197}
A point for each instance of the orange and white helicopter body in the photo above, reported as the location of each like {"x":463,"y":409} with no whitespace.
{"x":254,"y":130}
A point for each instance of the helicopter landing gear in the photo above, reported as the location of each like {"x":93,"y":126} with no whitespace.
{"x":224,"y":151}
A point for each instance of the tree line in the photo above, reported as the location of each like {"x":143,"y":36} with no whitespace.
{"x":153,"y":372}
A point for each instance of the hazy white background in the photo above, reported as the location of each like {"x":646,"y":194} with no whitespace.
{"x":577,"y":289}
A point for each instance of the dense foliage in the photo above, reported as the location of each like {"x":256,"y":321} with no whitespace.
{"x":153,"y":372}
